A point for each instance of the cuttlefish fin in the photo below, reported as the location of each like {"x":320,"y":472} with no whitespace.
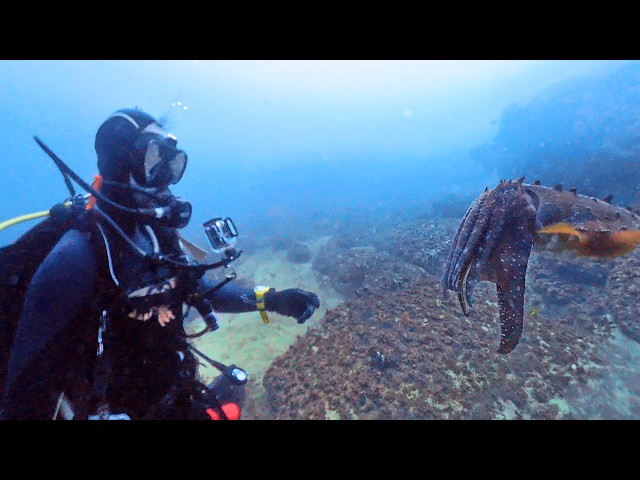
{"x":560,"y":227}
{"x":598,"y":243}
{"x":624,"y":241}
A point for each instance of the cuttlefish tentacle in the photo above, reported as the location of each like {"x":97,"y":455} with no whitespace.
{"x":486,"y":232}
{"x":460,"y":244}
{"x":500,"y":240}
{"x":495,"y":238}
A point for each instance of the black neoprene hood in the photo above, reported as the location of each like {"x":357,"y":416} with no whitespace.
{"x":115,"y":142}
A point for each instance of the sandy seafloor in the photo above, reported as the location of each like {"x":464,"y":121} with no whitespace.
{"x":244,"y":340}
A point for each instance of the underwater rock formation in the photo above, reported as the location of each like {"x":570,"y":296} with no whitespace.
{"x":418,"y":242}
{"x":386,"y":256}
{"x":411,"y":354}
{"x":398,"y":349}
{"x":298,"y":252}
{"x":358,"y":271}
{"x":452,"y":205}
{"x":572,"y":290}
{"x":280,"y":242}
{"x":624,"y":293}
{"x":583,"y":132}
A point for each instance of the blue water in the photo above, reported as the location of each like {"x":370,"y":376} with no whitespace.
{"x":270,"y":137}
{"x":313,"y":142}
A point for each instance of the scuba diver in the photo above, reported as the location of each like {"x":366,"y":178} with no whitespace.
{"x":93,"y":298}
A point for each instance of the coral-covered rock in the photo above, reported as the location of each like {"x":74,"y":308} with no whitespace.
{"x":386,"y":256}
{"x":280,"y":242}
{"x":420,"y":242}
{"x":410,"y":354}
{"x":298,"y":252}
{"x":359,"y":271}
{"x":397,"y":349}
{"x":624,"y":294}
{"x":572,"y":290}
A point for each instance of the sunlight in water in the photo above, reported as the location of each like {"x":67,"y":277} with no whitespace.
{"x":364,"y":77}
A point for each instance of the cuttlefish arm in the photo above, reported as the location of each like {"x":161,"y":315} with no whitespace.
{"x":494,"y":240}
{"x":493,"y":243}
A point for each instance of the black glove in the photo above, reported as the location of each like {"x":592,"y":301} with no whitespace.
{"x":292,"y":302}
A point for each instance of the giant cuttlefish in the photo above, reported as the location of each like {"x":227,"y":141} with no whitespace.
{"x":495,"y":237}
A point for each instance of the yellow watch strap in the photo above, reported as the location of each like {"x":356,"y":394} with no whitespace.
{"x":260,"y":291}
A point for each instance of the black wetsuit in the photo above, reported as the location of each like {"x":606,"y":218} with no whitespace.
{"x":56,"y":339}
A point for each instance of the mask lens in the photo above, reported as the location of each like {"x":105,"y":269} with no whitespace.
{"x":163,"y":163}
{"x":151,"y":160}
{"x":177,"y":166}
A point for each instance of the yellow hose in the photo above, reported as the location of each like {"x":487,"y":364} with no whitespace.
{"x":23,"y":218}
{"x":28,"y":216}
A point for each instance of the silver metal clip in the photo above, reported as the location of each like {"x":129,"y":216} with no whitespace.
{"x":101,"y":330}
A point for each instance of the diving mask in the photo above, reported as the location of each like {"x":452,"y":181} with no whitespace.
{"x":163,"y":164}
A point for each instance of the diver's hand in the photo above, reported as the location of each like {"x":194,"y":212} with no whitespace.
{"x":292,"y":302}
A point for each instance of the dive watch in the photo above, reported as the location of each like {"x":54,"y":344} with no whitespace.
{"x":260,"y":291}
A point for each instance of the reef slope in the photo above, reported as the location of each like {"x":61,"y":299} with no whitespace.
{"x":410,"y":354}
